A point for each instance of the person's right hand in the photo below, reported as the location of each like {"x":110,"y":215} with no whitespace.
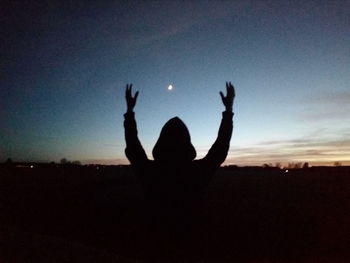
{"x":228,"y":100}
{"x":130,"y":100}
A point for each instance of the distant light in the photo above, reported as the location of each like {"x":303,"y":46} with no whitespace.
{"x":32,"y":166}
{"x":170,"y":87}
{"x":286,"y":171}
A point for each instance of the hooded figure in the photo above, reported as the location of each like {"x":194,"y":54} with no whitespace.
{"x":174,"y":181}
{"x":174,"y":176}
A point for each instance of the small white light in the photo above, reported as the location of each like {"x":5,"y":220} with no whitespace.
{"x":32,"y":166}
{"x":286,"y":171}
{"x":170,"y":87}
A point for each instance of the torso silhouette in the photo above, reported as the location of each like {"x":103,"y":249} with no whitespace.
{"x":174,"y":178}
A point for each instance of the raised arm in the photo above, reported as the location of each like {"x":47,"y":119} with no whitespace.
{"x":134,"y":151}
{"x":218,"y":152}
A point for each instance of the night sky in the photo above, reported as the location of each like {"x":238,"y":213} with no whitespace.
{"x":64,"y":68}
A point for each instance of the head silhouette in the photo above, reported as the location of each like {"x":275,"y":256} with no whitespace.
{"x":174,"y":143}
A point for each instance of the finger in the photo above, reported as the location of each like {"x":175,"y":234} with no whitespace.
{"x":136,"y":94}
{"x":230,"y":88}
{"x":130,"y":91}
{"x":222,"y":96}
{"x":127,"y":90}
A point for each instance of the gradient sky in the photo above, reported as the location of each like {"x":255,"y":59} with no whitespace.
{"x":64,"y":68}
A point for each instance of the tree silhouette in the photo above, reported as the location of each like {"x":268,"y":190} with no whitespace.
{"x":337,"y":164}
{"x":294,"y":165}
{"x":306,"y":165}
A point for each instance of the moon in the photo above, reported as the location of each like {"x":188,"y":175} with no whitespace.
{"x":170,"y":87}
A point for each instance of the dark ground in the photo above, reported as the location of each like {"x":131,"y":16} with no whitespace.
{"x":81,"y":214}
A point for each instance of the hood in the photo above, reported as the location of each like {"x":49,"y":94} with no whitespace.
{"x":174,"y":143}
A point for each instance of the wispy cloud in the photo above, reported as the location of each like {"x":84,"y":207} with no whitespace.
{"x":315,"y":151}
{"x":338,"y":98}
{"x":327,"y":106}
{"x":290,"y":142}
{"x":329,"y":114}
{"x":139,"y":28}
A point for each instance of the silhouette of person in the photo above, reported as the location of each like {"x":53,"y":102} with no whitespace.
{"x":174,"y":178}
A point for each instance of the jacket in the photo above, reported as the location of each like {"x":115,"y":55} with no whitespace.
{"x":174,"y":174}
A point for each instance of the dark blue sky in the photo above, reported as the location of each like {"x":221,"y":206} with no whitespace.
{"x":64,"y":68}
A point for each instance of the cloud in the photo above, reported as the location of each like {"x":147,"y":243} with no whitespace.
{"x":330,"y":114}
{"x":338,"y":98}
{"x":139,"y":27}
{"x":325,"y":151}
{"x":292,"y":141}
{"x":327,"y":106}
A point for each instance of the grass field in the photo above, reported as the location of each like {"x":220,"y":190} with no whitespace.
{"x":85,"y":214}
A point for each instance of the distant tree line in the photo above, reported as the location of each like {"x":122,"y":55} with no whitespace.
{"x":65,"y":161}
{"x":293,"y":165}
{"x":288,"y":166}
{"x":62,"y":161}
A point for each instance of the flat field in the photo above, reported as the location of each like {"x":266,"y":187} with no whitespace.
{"x":98,"y":214}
